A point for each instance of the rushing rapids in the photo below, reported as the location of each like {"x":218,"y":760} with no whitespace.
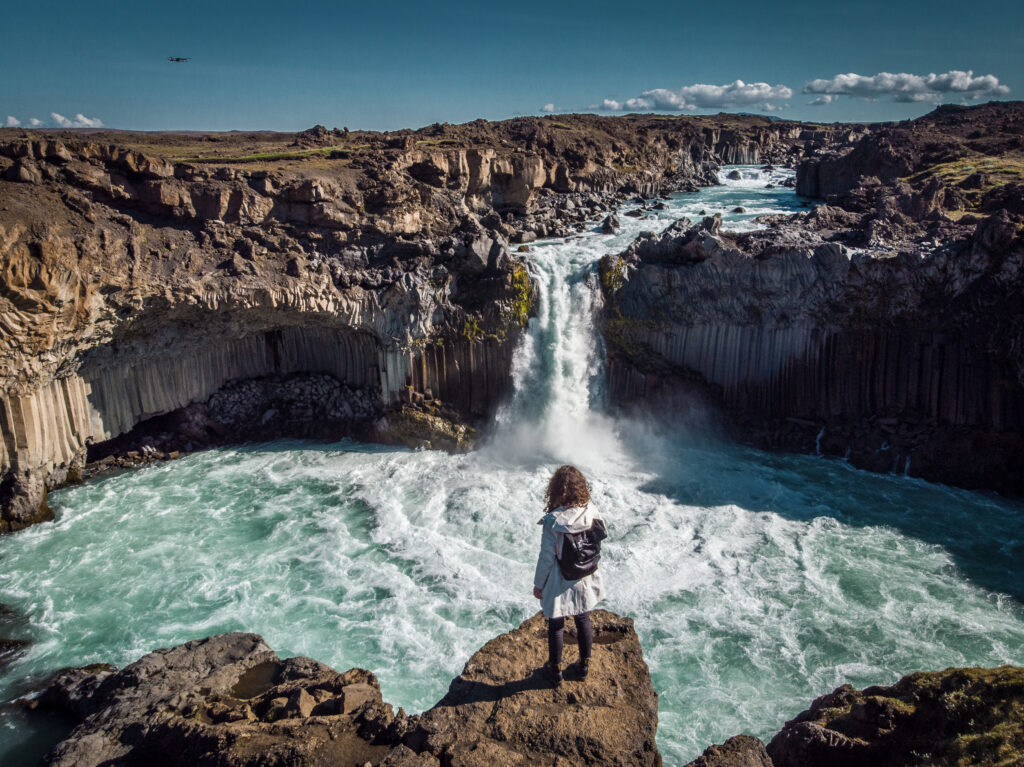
{"x":757,"y":582}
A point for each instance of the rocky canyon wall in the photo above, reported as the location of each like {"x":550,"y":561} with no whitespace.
{"x":900,"y":364}
{"x":142,"y":274}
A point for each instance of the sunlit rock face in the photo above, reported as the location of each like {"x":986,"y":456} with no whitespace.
{"x":228,"y":699}
{"x":139,"y":283}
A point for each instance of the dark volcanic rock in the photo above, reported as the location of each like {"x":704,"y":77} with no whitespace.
{"x":229,"y":700}
{"x":953,"y":717}
{"x":738,"y":751}
{"x":813,"y":348}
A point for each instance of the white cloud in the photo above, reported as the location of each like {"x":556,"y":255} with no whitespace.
{"x":13,"y":122}
{"x":905,"y":87}
{"x":35,"y":122}
{"x":703,"y":96}
{"x":79,"y":121}
{"x":548,"y":108}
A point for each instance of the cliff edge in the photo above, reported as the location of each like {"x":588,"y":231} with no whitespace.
{"x":229,"y":700}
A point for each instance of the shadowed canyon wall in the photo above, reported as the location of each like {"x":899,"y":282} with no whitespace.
{"x":903,"y":364}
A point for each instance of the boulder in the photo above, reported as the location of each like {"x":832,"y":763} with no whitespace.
{"x":734,"y":175}
{"x":23,"y":501}
{"x":956,"y":716}
{"x":611,"y":224}
{"x":229,"y":700}
{"x":738,"y":751}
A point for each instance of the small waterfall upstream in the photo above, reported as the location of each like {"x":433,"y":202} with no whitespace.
{"x":757,"y":582}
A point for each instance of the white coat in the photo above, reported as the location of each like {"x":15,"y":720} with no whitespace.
{"x":560,"y":597}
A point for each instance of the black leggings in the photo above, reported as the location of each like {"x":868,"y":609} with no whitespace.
{"x":584,"y":636}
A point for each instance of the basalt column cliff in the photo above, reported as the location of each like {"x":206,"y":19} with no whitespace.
{"x":190,"y":290}
{"x":886,"y":326}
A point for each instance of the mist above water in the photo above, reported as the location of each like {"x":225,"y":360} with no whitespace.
{"x":757,"y":582}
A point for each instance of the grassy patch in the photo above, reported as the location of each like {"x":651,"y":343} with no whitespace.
{"x":1000,"y":170}
{"x":471,"y":329}
{"x":330,"y":152}
{"x":438,"y":142}
{"x":565,"y":126}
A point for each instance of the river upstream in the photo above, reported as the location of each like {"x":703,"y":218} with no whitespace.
{"x":757,"y":582}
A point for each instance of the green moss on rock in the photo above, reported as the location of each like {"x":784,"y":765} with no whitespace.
{"x":951,"y":718}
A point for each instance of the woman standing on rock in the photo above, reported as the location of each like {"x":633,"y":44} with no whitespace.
{"x":567,"y":581}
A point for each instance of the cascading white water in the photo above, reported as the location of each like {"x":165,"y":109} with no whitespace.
{"x":757,"y":582}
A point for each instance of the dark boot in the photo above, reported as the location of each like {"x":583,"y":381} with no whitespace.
{"x":583,"y":668}
{"x":554,"y":673}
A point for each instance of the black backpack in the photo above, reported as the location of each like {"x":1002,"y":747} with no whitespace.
{"x":581,"y":551}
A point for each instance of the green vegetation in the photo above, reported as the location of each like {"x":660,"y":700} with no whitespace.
{"x":438,"y":142}
{"x":471,"y":329}
{"x":555,"y":124}
{"x":985,"y":708}
{"x":620,"y":335}
{"x":522,"y":295}
{"x":998,"y":170}
{"x":612,"y":273}
{"x":952,"y":718}
{"x":330,"y":152}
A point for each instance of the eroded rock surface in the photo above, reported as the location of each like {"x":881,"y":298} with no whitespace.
{"x":141,"y":274}
{"x":737,"y":751}
{"x":886,"y":326}
{"x":229,"y":700}
{"x":502,"y":710}
{"x":952,"y":717}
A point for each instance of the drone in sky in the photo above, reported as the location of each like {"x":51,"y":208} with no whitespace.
{"x":178,"y":59}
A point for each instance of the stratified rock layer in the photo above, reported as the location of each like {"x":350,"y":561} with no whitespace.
{"x":229,"y":700}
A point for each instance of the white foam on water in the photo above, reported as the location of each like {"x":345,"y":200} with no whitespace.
{"x":757,"y":582}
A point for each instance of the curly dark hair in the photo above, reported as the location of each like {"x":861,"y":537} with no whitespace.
{"x":568,"y":487}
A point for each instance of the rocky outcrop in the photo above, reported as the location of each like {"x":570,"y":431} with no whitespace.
{"x":884,"y":327}
{"x":910,"y":364}
{"x":970,"y":148}
{"x":136,"y":285}
{"x":737,"y":751}
{"x":229,"y":700}
{"x":953,"y":717}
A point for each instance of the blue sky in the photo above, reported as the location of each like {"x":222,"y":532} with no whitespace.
{"x":263,"y":65}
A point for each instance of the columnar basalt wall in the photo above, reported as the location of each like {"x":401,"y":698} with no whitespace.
{"x":51,"y":427}
{"x":808,"y":373}
{"x":904,"y":364}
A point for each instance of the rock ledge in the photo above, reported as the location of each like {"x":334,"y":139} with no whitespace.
{"x":229,"y":700}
